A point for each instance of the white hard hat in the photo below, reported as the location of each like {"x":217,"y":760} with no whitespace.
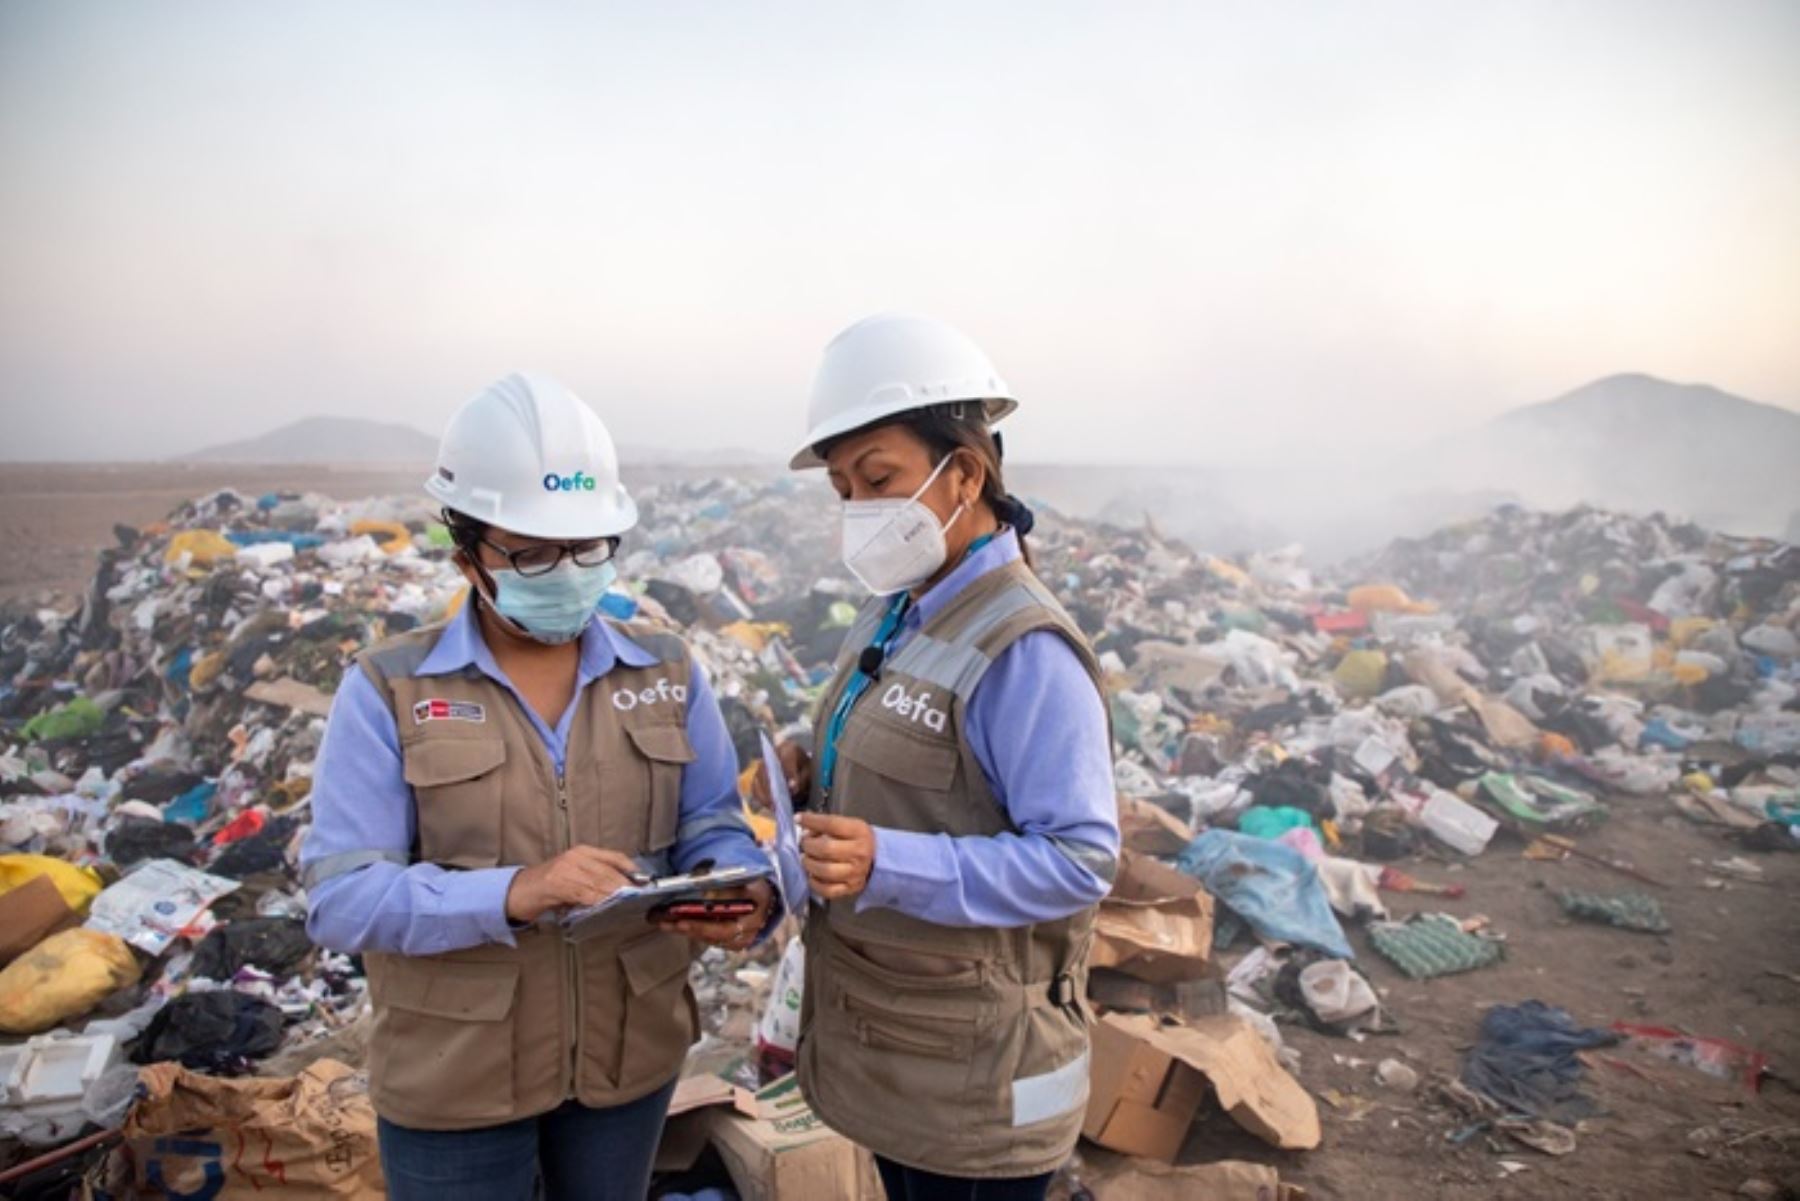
{"x":894,"y":363}
{"x":527,"y":455}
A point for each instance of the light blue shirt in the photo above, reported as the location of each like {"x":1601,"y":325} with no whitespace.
{"x":1039,"y":731}
{"x":362,"y":806}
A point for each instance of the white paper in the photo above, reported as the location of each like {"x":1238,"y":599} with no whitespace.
{"x":791,"y":874}
{"x":152,"y":906}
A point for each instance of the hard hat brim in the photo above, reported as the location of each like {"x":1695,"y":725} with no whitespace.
{"x":994,"y":409}
{"x":608,"y":518}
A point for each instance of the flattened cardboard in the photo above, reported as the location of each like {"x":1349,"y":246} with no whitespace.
{"x":1156,"y":924}
{"x":1110,"y":989}
{"x":1228,"y":1180}
{"x":1149,"y":829}
{"x":1149,"y":1079}
{"x":689,"y":1127}
{"x":29,"y":914}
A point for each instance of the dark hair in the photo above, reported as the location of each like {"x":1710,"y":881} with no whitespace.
{"x":947,"y":428}
{"x":465,"y":531}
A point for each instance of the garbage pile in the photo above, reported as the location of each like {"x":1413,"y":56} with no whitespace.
{"x":1283,"y":741}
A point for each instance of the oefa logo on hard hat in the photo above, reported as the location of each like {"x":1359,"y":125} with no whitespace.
{"x":579,"y":482}
{"x":914,"y":708}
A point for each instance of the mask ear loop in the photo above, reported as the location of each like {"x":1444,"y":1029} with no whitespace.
{"x":486,"y":590}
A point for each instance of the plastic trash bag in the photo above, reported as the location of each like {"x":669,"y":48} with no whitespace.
{"x":1336,"y":993}
{"x":63,"y":978}
{"x":218,"y":1032}
{"x":1270,"y":886}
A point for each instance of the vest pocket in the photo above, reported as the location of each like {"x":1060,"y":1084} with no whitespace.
{"x":899,"y":754}
{"x":456,"y":786}
{"x":443,"y":1044}
{"x":662,"y":1019}
{"x":668,"y":750}
{"x":901,"y":1039}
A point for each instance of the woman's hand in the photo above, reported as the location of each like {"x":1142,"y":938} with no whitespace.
{"x":838,"y":853}
{"x":578,"y":876}
{"x":732,"y":933}
{"x":796,"y":765}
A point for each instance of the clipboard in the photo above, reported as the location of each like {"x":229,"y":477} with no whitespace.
{"x":796,"y":894}
{"x":628,"y":909}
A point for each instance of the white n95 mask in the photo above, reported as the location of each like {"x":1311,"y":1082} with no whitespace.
{"x":893,"y":545}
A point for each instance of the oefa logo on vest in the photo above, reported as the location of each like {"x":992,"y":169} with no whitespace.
{"x":914,"y":708}
{"x":625,"y":700}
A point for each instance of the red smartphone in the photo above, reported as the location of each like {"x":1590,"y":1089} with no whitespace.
{"x":703,"y":909}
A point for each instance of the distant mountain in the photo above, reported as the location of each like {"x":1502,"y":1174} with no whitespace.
{"x":338,"y":440}
{"x":1641,"y":444}
{"x":1629,"y":442}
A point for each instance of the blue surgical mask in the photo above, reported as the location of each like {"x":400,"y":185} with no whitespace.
{"x":554,"y":607}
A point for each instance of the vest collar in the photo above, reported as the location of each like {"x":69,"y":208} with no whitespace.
{"x":997,"y":552}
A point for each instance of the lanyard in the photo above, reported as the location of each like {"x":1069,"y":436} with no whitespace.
{"x":885,"y":636}
{"x":859,"y":683}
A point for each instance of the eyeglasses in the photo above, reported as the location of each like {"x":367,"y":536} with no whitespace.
{"x":541,"y":558}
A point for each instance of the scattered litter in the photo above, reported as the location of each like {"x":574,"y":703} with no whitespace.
{"x":1396,"y":1075}
{"x":1525,"y":1060}
{"x":1715,"y":1057}
{"x":1433,"y":944}
{"x":1628,"y":911}
{"x":1270,"y":886}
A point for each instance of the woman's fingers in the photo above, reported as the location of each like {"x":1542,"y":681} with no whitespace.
{"x":832,"y":873}
{"x":823,"y":846}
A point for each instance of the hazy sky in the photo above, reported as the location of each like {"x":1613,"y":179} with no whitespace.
{"x":1183,"y":230}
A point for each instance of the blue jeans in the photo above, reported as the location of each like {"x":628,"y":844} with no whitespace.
{"x":580,"y":1154}
{"x":915,"y":1184}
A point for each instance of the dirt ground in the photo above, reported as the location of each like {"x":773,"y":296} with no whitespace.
{"x":1730,"y":969}
{"x":56,"y":517}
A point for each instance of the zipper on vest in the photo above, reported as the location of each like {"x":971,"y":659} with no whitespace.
{"x":572,"y":956}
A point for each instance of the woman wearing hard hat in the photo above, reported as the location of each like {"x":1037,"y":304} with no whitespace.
{"x":479,"y":777}
{"x":962,"y":822}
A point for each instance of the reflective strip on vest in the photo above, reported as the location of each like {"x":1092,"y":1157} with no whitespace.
{"x":951,"y":666}
{"x":1051,"y":1095}
{"x":331,"y":866}
{"x":956,"y":664}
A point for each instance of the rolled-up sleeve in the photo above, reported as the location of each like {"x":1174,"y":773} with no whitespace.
{"x":363,"y":892}
{"x":1038,"y":728}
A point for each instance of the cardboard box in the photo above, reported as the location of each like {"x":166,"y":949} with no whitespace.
{"x":777,"y":1149}
{"x":1187,"y":999}
{"x":689,"y":1127}
{"x":29,"y":914}
{"x":1149,"y":829}
{"x":1140,"y":1100}
{"x":1150,"y":1080}
{"x":1156,"y":924}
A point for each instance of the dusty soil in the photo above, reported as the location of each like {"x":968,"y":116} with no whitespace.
{"x":1730,"y":969}
{"x":56,"y":517}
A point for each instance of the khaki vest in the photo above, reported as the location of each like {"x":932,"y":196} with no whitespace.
{"x":492,"y":1033}
{"x":957,"y":1051}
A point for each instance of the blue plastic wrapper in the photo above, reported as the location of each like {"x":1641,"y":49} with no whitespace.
{"x":1269,"y":885}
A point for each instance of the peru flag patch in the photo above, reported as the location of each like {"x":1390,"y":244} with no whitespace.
{"x":442,"y":710}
